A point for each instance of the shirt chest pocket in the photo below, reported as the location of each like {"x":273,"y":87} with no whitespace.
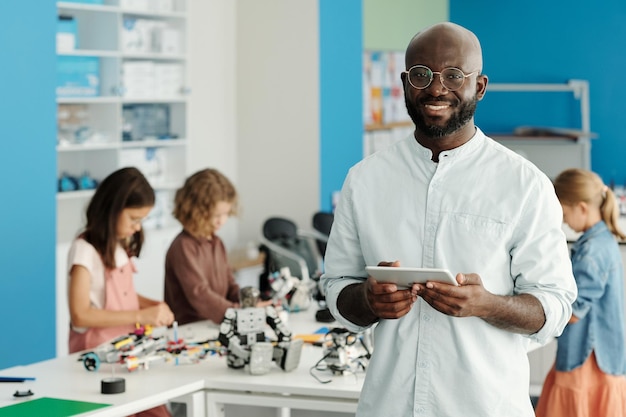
{"x":478,"y":238}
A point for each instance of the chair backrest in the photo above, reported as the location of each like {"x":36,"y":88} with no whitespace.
{"x":284,"y":233}
{"x":322,"y":222}
{"x":276,"y":228}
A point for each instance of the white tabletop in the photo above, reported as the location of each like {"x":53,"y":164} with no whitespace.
{"x":299,"y":381}
{"x":66,"y":378}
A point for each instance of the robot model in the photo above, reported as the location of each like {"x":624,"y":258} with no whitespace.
{"x":242,"y":332}
{"x":343,"y":352}
{"x":340,"y":350}
{"x":141,"y":348}
{"x":125,"y":349}
{"x":290,"y":291}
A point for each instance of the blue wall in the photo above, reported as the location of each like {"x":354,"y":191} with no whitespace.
{"x":28,"y":169}
{"x":341,"y":89}
{"x":552,"y":42}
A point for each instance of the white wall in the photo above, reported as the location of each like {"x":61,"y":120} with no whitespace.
{"x":277,"y":112}
{"x":254,"y":106}
{"x":212,"y":78}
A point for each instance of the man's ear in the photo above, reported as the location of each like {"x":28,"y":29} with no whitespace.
{"x":403,"y":78}
{"x":481,"y":86}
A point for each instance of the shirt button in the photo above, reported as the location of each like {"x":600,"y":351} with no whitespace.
{"x":426,"y":317}
{"x":423,"y":364}
{"x":421,"y":410}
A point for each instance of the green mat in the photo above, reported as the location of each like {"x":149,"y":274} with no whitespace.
{"x":49,"y":407}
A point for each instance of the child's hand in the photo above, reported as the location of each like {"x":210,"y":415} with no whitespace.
{"x":157,"y":315}
{"x":264,"y":303}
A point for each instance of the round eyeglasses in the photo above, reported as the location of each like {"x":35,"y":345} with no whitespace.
{"x":421,"y":77}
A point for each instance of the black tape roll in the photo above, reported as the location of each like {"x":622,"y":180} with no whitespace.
{"x":113,"y":385}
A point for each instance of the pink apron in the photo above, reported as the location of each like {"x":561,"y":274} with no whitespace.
{"x":119,"y":295}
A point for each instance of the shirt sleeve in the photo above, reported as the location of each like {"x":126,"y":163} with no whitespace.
{"x":84,"y":254}
{"x":343,"y":257}
{"x":540,"y":262}
{"x":233,"y":288}
{"x":81,"y":253}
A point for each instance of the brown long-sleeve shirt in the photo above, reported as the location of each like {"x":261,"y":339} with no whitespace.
{"x":199,"y":283}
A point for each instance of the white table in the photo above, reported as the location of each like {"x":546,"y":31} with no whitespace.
{"x":205,"y":386}
{"x":66,"y":378}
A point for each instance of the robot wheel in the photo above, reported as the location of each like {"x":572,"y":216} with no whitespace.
{"x":91,"y":361}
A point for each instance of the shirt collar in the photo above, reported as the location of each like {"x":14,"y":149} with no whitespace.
{"x":594,"y":230}
{"x":199,"y":239}
{"x":467,"y":148}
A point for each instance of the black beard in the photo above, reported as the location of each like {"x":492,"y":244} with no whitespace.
{"x":460,"y":118}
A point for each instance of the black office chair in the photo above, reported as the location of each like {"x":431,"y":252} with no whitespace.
{"x":291,"y":247}
{"x":285,"y":245}
{"x":322,"y":222}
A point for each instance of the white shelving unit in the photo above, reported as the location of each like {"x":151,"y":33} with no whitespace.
{"x":154,"y":50}
{"x":134,"y":41}
{"x":550,"y":153}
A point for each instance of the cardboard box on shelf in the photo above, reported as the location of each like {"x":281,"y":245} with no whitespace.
{"x":169,"y":40}
{"x":148,"y":5}
{"x":138,"y":35}
{"x":78,"y":76}
{"x":138,"y":79}
{"x":67,"y":33}
{"x":85,"y":1}
{"x":168,"y":80}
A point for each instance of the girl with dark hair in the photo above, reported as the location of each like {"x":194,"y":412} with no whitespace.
{"x":102,"y":299}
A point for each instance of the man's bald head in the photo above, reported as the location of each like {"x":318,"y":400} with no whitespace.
{"x":447,"y":36}
{"x":443,"y":117}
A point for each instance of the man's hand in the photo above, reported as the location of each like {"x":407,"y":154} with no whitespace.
{"x":522,"y":313}
{"x":385,"y":300}
{"x":468,"y":299}
{"x":366,"y":303}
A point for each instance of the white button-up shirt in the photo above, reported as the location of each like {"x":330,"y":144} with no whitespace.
{"x":482,"y":209}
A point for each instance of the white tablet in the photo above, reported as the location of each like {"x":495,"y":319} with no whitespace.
{"x":405,"y":277}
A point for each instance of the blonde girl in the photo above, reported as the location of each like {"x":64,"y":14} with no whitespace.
{"x":199,"y":283}
{"x":587,"y":379}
